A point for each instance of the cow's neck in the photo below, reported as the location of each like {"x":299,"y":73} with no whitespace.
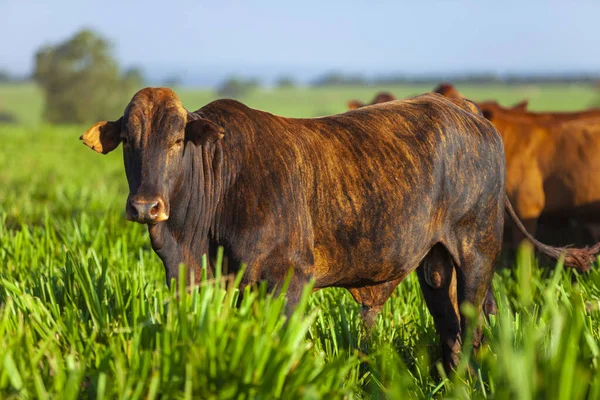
{"x":185,"y":236}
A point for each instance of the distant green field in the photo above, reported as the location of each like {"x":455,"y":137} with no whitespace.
{"x":85,"y":312}
{"x":26,"y":100}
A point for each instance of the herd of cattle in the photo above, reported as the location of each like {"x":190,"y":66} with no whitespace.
{"x":357,"y":200}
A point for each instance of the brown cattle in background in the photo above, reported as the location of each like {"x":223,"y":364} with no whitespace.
{"x":520,"y":106}
{"x":381,"y":97}
{"x":490,"y":106}
{"x":540,"y":182}
{"x":448,"y":90}
{"x":552,"y":163}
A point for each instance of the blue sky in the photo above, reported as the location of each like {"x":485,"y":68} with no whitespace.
{"x":301,"y":37}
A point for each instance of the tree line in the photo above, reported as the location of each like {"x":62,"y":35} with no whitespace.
{"x":340,"y":79}
{"x":82,"y":81}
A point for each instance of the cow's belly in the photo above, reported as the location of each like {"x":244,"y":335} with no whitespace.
{"x":366,"y":261}
{"x":575,"y":181}
{"x":572,"y":190}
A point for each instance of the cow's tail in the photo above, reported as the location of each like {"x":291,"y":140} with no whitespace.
{"x":581,"y":259}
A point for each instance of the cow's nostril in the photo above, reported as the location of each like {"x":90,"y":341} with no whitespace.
{"x":154,"y":210}
{"x":145,"y":210}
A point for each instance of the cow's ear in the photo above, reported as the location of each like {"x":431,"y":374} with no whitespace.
{"x":487,"y":113}
{"x":521,"y":106}
{"x":104,"y":136}
{"x":203,"y":131}
{"x":354,"y":104}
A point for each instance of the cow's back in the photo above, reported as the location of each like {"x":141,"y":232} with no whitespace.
{"x":371,"y":185}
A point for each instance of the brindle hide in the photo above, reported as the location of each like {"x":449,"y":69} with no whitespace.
{"x":357,"y":200}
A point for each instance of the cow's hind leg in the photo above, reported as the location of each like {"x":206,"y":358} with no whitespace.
{"x":469,"y":282}
{"x":372,"y":298}
{"x":474,"y":280}
{"x":489,"y":306}
{"x":437,"y":276}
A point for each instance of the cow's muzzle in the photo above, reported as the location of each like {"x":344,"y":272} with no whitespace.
{"x":146,"y":210}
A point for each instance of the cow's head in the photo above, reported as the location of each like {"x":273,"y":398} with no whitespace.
{"x":448,"y":90}
{"x":354,"y":104}
{"x":491,"y":109}
{"x":155,"y":131}
{"x":383,"y":97}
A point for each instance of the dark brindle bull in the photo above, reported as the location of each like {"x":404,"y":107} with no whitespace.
{"x":357,"y":200}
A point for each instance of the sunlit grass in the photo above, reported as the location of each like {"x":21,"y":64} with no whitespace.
{"x":85,"y":311}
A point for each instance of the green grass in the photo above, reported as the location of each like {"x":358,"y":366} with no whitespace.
{"x":26,"y":101}
{"x":85,"y":312}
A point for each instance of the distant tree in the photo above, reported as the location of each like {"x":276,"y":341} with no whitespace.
{"x":5,"y":77}
{"x":338,"y":79}
{"x":7,"y":118}
{"x":236,"y":87}
{"x":172,"y":81}
{"x":134,"y":77}
{"x":285,"y":82}
{"x":82,"y":81}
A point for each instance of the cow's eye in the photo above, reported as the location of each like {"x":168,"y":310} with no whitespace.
{"x":178,"y":141}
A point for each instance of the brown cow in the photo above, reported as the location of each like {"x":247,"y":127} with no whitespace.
{"x":530,"y":135}
{"x":552,"y":163}
{"x":448,"y":90}
{"x":357,"y":200}
{"x":381,"y":97}
{"x":490,"y":106}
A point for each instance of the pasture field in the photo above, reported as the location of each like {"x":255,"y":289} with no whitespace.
{"x":85,"y":312}
{"x":25,"y":101}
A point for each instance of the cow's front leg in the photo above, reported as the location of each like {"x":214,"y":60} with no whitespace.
{"x":278,"y":267}
{"x":174,"y":253}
